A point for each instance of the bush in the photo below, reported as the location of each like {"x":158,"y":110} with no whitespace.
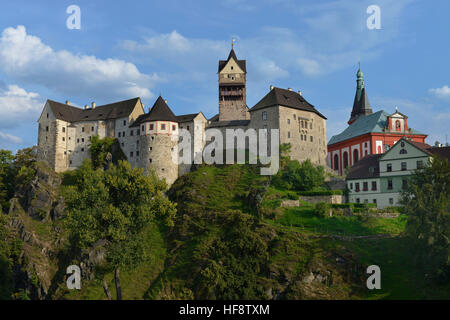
{"x":301,"y":177}
{"x":321,"y":193}
{"x":292,"y":195}
{"x":321,"y":209}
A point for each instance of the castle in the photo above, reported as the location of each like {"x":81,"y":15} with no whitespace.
{"x":149,"y":140}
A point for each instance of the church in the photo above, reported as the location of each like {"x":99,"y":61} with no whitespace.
{"x":368,"y":133}
{"x":150,"y":139}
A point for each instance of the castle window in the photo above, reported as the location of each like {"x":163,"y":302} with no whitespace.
{"x":289,"y":135}
{"x":374,"y":186}
{"x":47,"y":115}
{"x":397,"y":125}
{"x":143,"y":128}
{"x":82,"y":149}
{"x":312,"y":139}
{"x":389,"y":167}
{"x":264,"y":115}
{"x":82,"y":139}
{"x":295,"y":117}
{"x":301,"y":137}
{"x":289,"y":121}
{"x":174,"y":127}
{"x":403,"y":151}
{"x":150,"y":160}
{"x":92,"y":128}
{"x":187,"y":127}
{"x":357,"y":187}
{"x":137,"y":143}
{"x":82,"y":129}
{"x":137,"y":153}
{"x":162,"y":169}
{"x":123,"y":134}
{"x":390,"y":185}
{"x":163,"y":127}
{"x":124,"y":122}
{"x":131,"y":133}
{"x":232,"y":67}
{"x":153,"y":138}
{"x":351,"y":185}
{"x":404,"y":184}
{"x":64,"y":139}
{"x":420,"y":164}
{"x":64,"y":129}
{"x":310,"y":125}
{"x":122,"y":144}
{"x":151,"y":127}
{"x":151,"y":148}
{"x":301,"y":122}
{"x":391,"y":201}
{"x":120,"y":134}
{"x":78,"y":140}
{"x":65,"y":152}
{"x":46,"y":128}
{"x":131,"y":154}
{"x":70,"y":161}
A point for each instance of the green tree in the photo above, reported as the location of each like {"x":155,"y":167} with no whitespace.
{"x":99,"y":149}
{"x":115,"y":205}
{"x":426,"y":202}
{"x":6,"y":177}
{"x":301,"y":177}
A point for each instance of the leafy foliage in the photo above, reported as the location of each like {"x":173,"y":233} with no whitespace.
{"x":99,"y":149}
{"x":115,"y":205}
{"x":322,"y":209}
{"x":301,"y":177}
{"x":427,"y":205}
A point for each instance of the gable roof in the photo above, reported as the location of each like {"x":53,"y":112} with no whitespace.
{"x":189,"y":117}
{"x":115,"y":110}
{"x":361,"y":169}
{"x":241,"y":63}
{"x":285,"y":98}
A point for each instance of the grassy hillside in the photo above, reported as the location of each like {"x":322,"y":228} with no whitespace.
{"x":231,"y":240}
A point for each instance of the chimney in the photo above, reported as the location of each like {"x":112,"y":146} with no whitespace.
{"x":290,"y":89}
{"x":86,"y":107}
{"x":271,"y":88}
{"x":299,"y":92}
{"x":68,"y":102}
{"x":165,"y":101}
{"x":94,"y":105}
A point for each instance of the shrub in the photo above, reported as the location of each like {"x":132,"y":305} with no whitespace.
{"x":321,"y":193}
{"x":302,"y":177}
{"x":321,"y":209}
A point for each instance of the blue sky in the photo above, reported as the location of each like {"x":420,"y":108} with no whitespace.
{"x":145,"y":48}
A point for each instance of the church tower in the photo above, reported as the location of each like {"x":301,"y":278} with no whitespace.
{"x":361,"y":105}
{"x":232,"y":89}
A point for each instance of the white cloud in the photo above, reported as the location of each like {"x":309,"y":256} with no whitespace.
{"x":6,"y":138}
{"x":309,"y":67}
{"x":442,"y":93}
{"x":18,"y":106}
{"x":25,"y":57}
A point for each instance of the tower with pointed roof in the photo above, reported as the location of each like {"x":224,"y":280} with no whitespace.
{"x":361,"y":105}
{"x":232,"y":88}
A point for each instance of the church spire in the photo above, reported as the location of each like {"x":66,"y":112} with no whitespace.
{"x":361,"y":105}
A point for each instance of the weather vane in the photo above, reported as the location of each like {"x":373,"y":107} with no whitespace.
{"x":233,"y":40}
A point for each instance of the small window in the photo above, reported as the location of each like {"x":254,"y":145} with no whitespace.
{"x":92,"y":128}
{"x":64,"y":129}
{"x":163,"y":126}
{"x":403,"y":151}
{"x":151,"y":148}
{"x":391,"y":201}
{"x":46,"y":128}
{"x":63,"y":139}
{"x":420,"y":164}
{"x":351,"y":186}
{"x":151,"y":127}
{"x":374,"y":185}
{"x":295,"y":117}
{"x":365,"y":186}
{"x":187,"y":127}
{"x":131,"y":132}
{"x":150,"y":160}
{"x":120,"y":134}
{"x":78,"y":140}
{"x":264,"y":115}
{"x":131,"y":154}
{"x":82,"y":139}
{"x":174,"y":127}
{"x":123,"y":134}
{"x":357,"y":187}
{"x":143,"y":128}
{"x":389,"y":167}
{"x":289,"y":121}
{"x":232,"y":67}
{"x":404,"y":166}
{"x":82,"y":149}
{"x":47,"y":115}
{"x":390,"y":185}
{"x":289,"y":135}
{"x":137,"y":153}
{"x":138,"y":132}
{"x":82,"y":129}
{"x":404,"y":184}
{"x":357,"y":200}
{"x":124,"y":122}
{"x":310,"y":125}
{"x":311,"y":138}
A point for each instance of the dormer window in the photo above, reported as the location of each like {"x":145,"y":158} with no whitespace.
{"x":397,"y":125}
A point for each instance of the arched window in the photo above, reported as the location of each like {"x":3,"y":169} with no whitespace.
{"x":336,"y":162}
{"x":345,"y":160}
{"x":355,"y":156}
{"x":398,"y":125}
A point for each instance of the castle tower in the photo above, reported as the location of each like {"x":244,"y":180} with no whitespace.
{"x":156,"y":144}
{"x":361,"y":105}
{"x":232,"y":89}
